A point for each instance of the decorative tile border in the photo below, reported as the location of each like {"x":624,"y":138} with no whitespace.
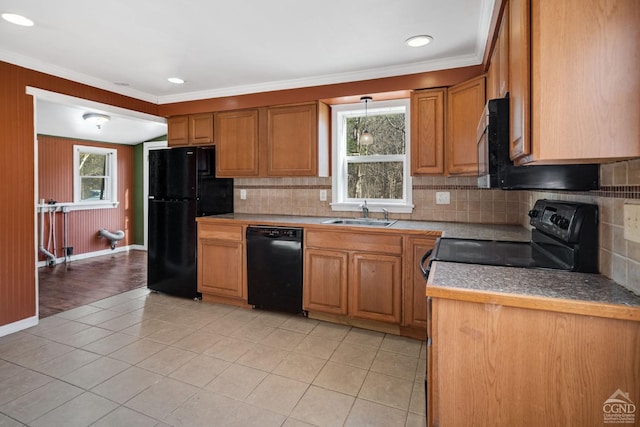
{"x":284,"y":187}
{"x":612,"y":191}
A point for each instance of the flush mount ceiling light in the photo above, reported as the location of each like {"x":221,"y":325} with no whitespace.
{"x":176,"y":80}
{"x":17,"y":19}
{"x":418,"y":41}
{"x":96,"y":119}
{"x":365,"y":137}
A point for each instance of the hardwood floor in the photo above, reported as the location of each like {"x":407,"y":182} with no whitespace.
{"x":66,"y":286}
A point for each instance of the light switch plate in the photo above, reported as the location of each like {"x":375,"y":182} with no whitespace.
{"x":443,"y":198}
{"x":323,"y":195}
{"x":243,"y":194}
{"x":632,"y":222}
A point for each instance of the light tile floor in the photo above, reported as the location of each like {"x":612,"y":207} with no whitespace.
{"x":146,"y":359}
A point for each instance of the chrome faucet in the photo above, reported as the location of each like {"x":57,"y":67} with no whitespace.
{"x":386,"y":214}
{"x":365,"y":210}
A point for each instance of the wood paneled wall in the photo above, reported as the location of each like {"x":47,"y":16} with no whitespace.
{"x":55,"y":181}
{"x":17,"y":163}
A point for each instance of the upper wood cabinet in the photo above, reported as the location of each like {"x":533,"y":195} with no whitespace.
{"x":194,"y":129}
{"x":236,"y":134}
{"x":573,"y":81}
{"x":465,"y":103}
{"x":498,"y":73}
{"x":427,"y":131}
{"x":585,"y":99}
{"x":519,"y":78}
{"x":274,"y":141}
{"x":292,"y":140}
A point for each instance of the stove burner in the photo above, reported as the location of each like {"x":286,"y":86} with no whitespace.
{"x":565,"y":237}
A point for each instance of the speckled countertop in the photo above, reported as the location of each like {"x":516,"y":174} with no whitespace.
{"x":580,"y":293}
{"x":448,"y":229}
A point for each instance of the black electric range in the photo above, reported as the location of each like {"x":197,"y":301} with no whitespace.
{"x":564,"y":237}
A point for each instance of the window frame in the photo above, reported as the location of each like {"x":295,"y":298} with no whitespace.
{"x":111,"y":177}
{"x":340,"y":160}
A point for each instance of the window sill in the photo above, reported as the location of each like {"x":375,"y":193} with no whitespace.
{"x":373,"y":207}
{"x":68,"y":207}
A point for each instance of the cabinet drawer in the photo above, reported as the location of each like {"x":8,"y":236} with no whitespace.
{"x":220,"y":232}
{"x":350,"y":241}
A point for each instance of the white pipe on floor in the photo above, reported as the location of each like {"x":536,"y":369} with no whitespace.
{"x":41,"y":248}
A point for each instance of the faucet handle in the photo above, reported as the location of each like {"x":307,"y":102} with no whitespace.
{"x":386,"y":214}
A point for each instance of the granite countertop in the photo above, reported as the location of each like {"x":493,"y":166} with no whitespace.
{"x":448,"y":229}
{"x":580,"y":293}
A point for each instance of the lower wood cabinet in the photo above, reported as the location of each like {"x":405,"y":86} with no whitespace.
{"x":325,"y":278}
{"x":415,"y":303}
{"x":375,"y":287}
{"x":354,"y":274}
{"x":221,"y":262}
{"x":499,"y":365}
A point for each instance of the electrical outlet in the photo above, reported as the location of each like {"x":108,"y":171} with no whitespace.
{"x":323,"y":195}
{"x":632,"y":222}
{"x":243,"y":194}
{"x":443,"y":198}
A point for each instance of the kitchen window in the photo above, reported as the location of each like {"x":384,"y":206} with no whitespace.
{"x":377,"y":173}
{"x":95,"y":176}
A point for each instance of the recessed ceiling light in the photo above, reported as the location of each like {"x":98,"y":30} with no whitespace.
{"x":418,"y":41}
{"x":176,"y":80}
{"x":17,"y":19}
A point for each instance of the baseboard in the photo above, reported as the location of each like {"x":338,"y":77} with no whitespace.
{"x":87,"y":255}
{"x":18,"y":326}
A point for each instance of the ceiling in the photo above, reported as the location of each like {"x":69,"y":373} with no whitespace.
{"x":235,"y":47}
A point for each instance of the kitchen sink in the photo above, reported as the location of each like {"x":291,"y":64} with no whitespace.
{"x":370,"y":222}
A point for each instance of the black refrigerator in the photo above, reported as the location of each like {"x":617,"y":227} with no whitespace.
{"x":182,"y":186}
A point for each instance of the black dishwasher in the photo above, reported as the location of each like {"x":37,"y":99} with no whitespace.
{"x":274,"y":268}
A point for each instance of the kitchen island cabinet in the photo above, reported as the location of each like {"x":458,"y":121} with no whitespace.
{"x":518,"y":346}
{"x":222,"y":263}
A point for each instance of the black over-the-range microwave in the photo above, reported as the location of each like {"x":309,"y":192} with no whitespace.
{"x":496,"y":170}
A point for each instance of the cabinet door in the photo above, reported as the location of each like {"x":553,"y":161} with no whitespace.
{"x":292,"y":143}
{"x":585,"y":99}
{"x":221,"y":268}
{"x":415,"y":300}
{"x":374,"y":287}
{"x":503,"y":46}
{"x":427,"y":133}
{"x":178,"y":130}
{"x":325,"y":281}
{"x":465,"y":103}
{"x":201,"y":129}
{"x":519,"y":78}
{"x":236,"y":136}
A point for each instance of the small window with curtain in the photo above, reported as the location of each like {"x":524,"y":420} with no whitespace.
{"x":95,"y":175}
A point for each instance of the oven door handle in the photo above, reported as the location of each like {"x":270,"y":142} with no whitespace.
{"x":425,"y":270}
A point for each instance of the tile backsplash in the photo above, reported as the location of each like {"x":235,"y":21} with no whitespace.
{"x":620,"y":184}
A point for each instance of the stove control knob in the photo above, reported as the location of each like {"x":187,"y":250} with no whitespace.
{"x":554,"y":219}
{"x":533,"y":213}
{"x":564,"y":223}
